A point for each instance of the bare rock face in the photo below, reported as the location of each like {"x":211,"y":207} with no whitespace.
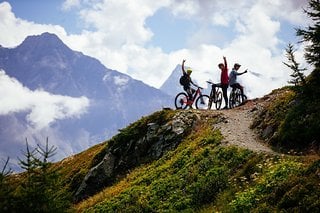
{"x":149,"y":146}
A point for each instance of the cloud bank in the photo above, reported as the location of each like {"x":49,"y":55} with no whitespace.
{"x":43,"y":108}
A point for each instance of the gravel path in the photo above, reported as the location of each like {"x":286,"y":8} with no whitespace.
{"x":235,"y":128}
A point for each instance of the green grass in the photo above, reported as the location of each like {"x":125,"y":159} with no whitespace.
{"x":301,"y":126}
{"x":184,"y":179}
{"x":201,"y":175}
{"x":274,"y":112}
{"x":73,"y":169}
{"x":292,"y":119}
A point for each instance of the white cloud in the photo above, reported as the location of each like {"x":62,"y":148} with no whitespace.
{"x":68,"y":4}
{"x":43,"y":107}
{"x":289,"y":10}
{"x":185,"y":8}
{"x":121,"y":22}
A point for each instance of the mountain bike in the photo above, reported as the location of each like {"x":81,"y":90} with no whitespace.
{"x":215,"y":96}
{"x":182,"y":100}
{"x":235,"y":98}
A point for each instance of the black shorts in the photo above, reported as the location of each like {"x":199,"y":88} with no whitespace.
{"x":186,"y":88}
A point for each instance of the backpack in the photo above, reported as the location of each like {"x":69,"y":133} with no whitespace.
{"x":184,"y":80}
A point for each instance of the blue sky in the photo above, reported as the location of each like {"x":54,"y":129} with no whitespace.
{"x":147,"y":39}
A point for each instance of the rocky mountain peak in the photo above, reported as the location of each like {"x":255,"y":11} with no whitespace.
{"x":46,"y":42}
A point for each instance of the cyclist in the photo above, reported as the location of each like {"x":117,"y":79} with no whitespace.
{"x":186,"y":81}
{"x":233,"y":78}
{"x":224,"y":80}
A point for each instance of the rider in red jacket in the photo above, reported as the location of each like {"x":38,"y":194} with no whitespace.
{"x":224,"y":80}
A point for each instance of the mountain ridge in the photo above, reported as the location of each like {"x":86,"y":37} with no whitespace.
{"x":44,"y":63}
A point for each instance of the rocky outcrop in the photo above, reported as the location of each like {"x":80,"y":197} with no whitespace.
{"x":121,"y":156}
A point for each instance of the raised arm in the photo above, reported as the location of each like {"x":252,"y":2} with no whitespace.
{"x":183,"y":70}
{"x":225,"y":62}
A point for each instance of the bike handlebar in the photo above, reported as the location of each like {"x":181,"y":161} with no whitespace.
{"x":217,"y":85}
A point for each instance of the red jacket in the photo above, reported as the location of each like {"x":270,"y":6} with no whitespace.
{"x":224,"y":73}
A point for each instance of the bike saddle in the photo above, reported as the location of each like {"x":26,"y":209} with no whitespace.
{"x":213,"y":84}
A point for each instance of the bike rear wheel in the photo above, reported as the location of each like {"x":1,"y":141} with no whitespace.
{"x":202,"y":102}
{"x":244,"y":98}
{"x":212,"y":94}
{"x":218,"y":100}
{"x":181,"y":101}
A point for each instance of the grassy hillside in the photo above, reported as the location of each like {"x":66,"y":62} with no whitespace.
{"x":203,"y":175}
{"x":73,"y":169}
{"x":290,"y":120}
{"x":200,"y":173}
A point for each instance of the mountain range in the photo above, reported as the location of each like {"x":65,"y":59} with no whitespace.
{"x":44,"y":65}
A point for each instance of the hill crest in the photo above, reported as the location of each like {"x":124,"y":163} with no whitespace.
{"x":183,"y":160}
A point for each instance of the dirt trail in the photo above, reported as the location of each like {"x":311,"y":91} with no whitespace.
{"x":235,"y":128}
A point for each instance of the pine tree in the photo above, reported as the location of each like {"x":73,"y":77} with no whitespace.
{"x":42,"y":190}
{"x":297,"y":75}
{"x":300,"y":128}
{"x":6,"y":191}
{"x":311,"y":35}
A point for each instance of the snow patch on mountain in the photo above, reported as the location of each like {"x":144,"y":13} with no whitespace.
{"x":120,"y":80}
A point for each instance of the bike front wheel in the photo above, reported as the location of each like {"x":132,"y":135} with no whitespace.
{"x":232,"y":99}
{"x":181,"y":101}
{"x":202,"y":102}
{"x":218,"y":100}
{"x":238,"y":98}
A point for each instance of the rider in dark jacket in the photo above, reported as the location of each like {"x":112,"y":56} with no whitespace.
{"x":187,"y":81}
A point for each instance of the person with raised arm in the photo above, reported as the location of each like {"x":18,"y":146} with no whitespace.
{"x":233,"y":78}
{"x":224,"y":80}
{"x":186,"y":81}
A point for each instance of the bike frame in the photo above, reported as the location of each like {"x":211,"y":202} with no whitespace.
{"x":197,"y":93}
{"x":201,"y":101}
{"x":190,"y":102}
{"x":213,"y":95}
{"x":214,"y":91}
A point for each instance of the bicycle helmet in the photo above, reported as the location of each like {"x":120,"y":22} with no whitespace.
{"x":189,"y":71}
{"x":237,"y":65}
